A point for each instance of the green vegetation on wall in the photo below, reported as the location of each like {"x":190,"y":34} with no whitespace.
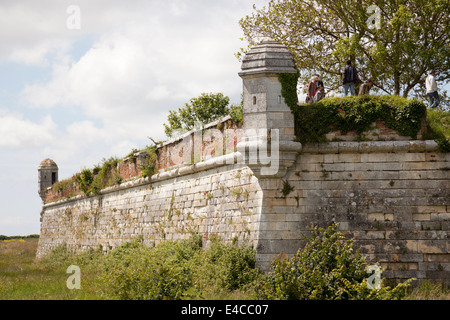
{"x":149,"y":167}
{"x":102,"y":176}
{"x":314,"y":121}
{"x":358,"y":114}
{"x":438,"y":123}
{"x":89,"y":181}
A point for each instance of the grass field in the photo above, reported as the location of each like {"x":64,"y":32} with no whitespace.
{"x":21,"y":278}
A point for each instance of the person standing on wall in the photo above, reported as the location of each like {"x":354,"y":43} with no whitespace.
{"x":349,"y":78}
{"x":365,"y":88}
{"x":318,"y":81}
{"x":312,"y":89}
{"x":432,"y":90}
{"x":320,"y":94}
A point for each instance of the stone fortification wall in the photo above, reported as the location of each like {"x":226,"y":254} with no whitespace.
{"x":393,"y":198}
{"x":211,"y":201}
{"x":260,"y":186}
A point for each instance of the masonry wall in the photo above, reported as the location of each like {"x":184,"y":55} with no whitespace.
{"x":221,"y":201}
{"x":393,"y":198}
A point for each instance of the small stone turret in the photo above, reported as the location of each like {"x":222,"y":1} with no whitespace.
{"x":265,"y":111}
{"x":47,"y":176}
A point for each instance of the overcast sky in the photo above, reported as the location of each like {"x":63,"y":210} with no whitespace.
{"x":79,"y":95}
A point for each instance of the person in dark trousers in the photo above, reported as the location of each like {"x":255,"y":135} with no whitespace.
{"x":349,"y":78}
{"x":432,"y":90}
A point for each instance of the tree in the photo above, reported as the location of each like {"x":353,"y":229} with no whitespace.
{"x":203,"y":109}
{"x":394,"y":42}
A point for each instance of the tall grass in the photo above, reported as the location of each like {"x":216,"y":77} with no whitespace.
{"x":171,"y":270}
{"x":428,"y":290}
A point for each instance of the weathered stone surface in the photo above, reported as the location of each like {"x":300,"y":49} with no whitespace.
{"x":391,"y":197}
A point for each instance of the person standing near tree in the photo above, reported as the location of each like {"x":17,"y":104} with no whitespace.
{"x":318,"y":81}
{"x":349,"y":78}
{"x":312,"y":89}
{"x":365,"y":88}
{"x":432,"y":90}
{"x":320,"y":94}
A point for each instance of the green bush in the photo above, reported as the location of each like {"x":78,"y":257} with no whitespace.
{"x":438,"y":122}
{"x":314,"y":121}
{"x":137,"y":272}
{"x":90,"y":181}
{"x":60,"y":258}
{"x":346,"y":114}
{"x":231,"y":266}
{"x":327,"y":268}
{"x":236,"y":113}
{"x":177,"y":270}
{"x":204,"y":109}
{"x":85,"y":180}
{"x":149,"y":167}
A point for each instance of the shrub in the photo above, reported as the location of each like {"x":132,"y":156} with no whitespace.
{"x":60,"y":258}
{"x":85,"y":180}
{"x":177,"y":269}
{"x":327,"y":268}
{"x":438,"y":122}
{"x":57,"y":258}
{"x":236,"y":114}
{"x":137,"y":272}
{"x":105,"y":175}
{"x":346,"y":114}
{"x":231,"y":266}
{"x":149,"y":167}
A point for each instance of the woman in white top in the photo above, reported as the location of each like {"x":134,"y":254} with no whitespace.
{"x":432,"y":90}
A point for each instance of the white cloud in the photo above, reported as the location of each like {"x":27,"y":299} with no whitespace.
{"x":18,"y":132}
{"x":137,"y":60}
{"x":133,"y":74}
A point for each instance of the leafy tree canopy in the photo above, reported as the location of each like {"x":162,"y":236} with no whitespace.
{"x":203,"y":109}
{"x":410,"y":38}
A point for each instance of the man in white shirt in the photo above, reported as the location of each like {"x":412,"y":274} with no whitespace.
{"x":432,"y":90}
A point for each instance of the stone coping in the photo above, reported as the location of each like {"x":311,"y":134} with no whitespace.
{"x":371,"y":146}
{"x":228,"y":159}
{"x":236,"y":158}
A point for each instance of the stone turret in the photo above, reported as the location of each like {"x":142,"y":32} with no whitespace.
{"x":47,"y":176}
{"x":265,"y":111}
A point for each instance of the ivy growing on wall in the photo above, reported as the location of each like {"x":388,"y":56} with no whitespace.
{"x":314,"y":121}
{"x":358,"y":114}
{"x":289,"y":89}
